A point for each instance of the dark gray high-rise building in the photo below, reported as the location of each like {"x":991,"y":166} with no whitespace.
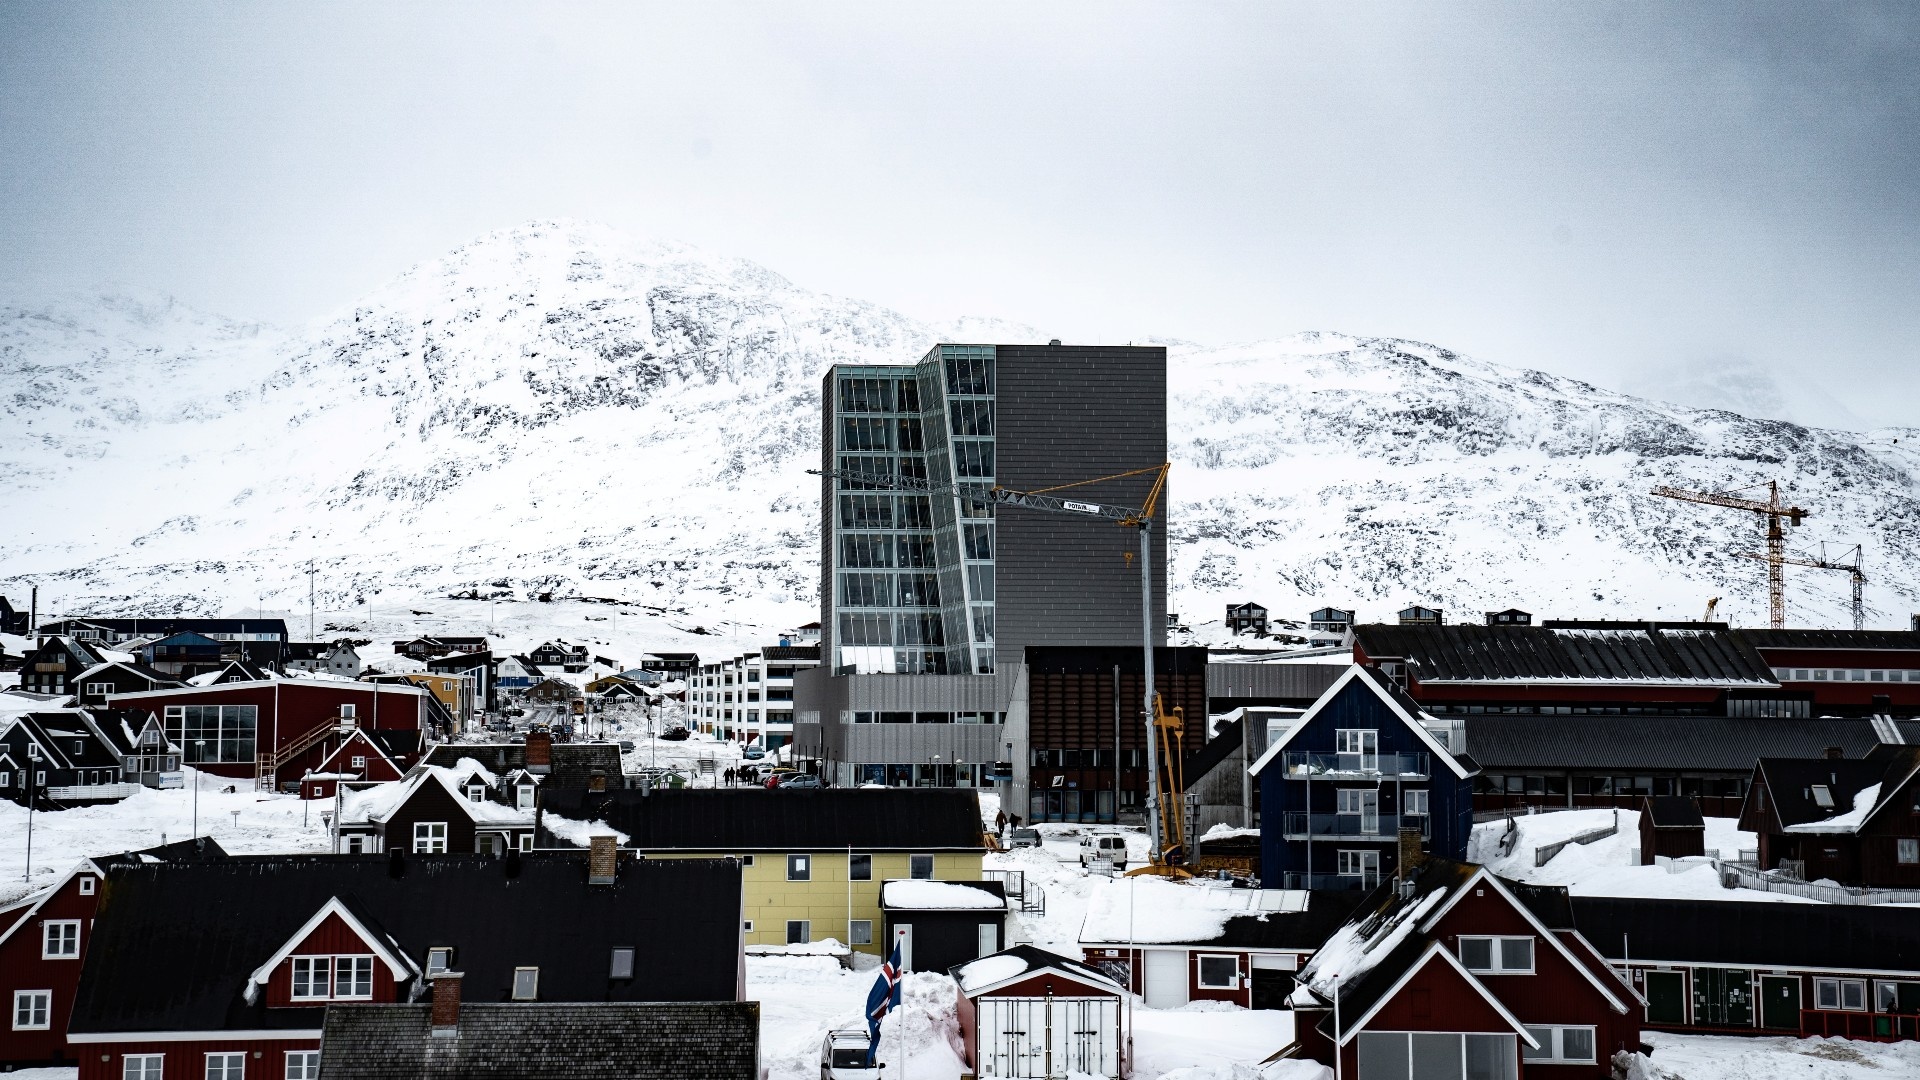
{"x":928,"y":600}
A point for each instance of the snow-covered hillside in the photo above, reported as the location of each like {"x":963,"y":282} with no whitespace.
{"x":560,"y":407}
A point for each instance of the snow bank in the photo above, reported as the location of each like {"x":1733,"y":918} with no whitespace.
{"x":989,"y":970}
{"x":579,"y":833}
{"x":1157,"y":911}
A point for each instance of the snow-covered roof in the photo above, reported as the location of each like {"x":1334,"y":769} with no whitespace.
{"x":1850,"y":821}
{"x":923,"y":895}
{"x":375,"y":803}
{"x":1021,"y":961}
{"x":1152,"y":910}
{"x":1372,"y":682}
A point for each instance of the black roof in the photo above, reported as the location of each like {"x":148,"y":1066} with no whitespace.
{"x":708,"y":1040}
{"x":790,"y":652}
{"x":749,"y":819}
{"x":1790,"y":783}
{"x":1751,"y":933}
{"x":1214,"y":751}
{"x":460,"y":661}
{"x":168,"y":626}
{"x":1906,"y":640}
{"x":573,"y":764}
{"x":1327,"y":910}
{"x":1375,"y":917}
{"x":1690,"y":653}
{"x":1673,"y":812}
{"x":1706,"y":743}
{"x":1551,"y":904}
{"x":397,"y":742}
{"x":174,"y":944}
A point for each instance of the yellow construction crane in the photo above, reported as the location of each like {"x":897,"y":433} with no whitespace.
{"x":1713,"y":605}
{"x":1852,"y":567}
{"x":1165,"y":798}
{"x":1776,"y":556}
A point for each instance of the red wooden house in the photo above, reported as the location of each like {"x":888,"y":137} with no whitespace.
{"x":43,"y":942}
{"x":1856,"y":822}
{"x":357,"y":757}
{"x":1452,"y":971}
{"x":225,"y":969}
{"x":274,"y":731}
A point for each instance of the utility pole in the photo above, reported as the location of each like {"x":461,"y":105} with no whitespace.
{"x":310,"y":605}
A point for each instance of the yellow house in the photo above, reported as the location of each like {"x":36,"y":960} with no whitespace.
{"x":453,"y":691}
{"x":813,"y":859}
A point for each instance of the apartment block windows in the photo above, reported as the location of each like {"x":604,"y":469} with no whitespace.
{"x":1413,"y":802}
{"x":32,"y":1010}
{"x":1358,"y":749}
{"x":1497,"y":955}
{"x":60,"y":939}
{"x":1363,"y":864}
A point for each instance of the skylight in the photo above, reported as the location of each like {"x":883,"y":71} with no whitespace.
{"x":1822,"y":797}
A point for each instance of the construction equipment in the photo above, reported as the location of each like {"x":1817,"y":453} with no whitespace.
{"x":1823,"y":563}
{"x":1163,"y":856}
{"x":1776,"y":539}
{"x":1713,"y":605}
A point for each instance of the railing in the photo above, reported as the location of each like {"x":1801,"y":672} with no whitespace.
{"x":1303,"y":826}
{"x":1329,"y":881}
{"x":1734,"y":875}
{"x":1309,"y":764}
{"x":1886,"y":1027}
{"x":1031,"y":898}
{"x":84,"y":792}
{"x":269,"y":761}
{"x":1544,"y":854}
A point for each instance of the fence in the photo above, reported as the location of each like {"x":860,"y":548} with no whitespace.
{"x":1544,"y":854}
{"x":1735,"y":876}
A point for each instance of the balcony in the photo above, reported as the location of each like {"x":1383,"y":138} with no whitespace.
{"x":1381,"y":827}
{"x":91,"y":792}
{"x":1307,"y":765}
{"x":1322,"y":882}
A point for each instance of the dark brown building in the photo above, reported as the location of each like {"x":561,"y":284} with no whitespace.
{"x":1856,"y":822}
{"x":1086,"y":726}
{"x":1671,"y":827}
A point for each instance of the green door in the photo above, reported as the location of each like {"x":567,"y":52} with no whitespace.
{"x":1780,"y":1002}
{"x":1722,"y":997}
{"x":1666,"y":997}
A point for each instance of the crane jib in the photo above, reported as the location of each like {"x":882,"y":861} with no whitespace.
{"x":1082,"y":507}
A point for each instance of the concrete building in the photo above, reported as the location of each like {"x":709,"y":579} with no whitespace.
{"x":749,"y":698}
{"x":929,"y":601}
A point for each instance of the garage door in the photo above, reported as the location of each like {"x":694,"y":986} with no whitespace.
{"x":1015,"y":1034}
{"x":1166,"y":975}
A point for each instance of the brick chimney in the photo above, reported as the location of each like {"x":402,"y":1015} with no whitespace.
{"x":446,"y":1002}
{"x":540,"y":752}
{"x":598,"y":781}
{"x":603,"y":860}
{"x":1834,"y":753}
{"x":1411,"y":855}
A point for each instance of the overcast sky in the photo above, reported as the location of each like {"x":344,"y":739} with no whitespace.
{"x":1707,"y":201}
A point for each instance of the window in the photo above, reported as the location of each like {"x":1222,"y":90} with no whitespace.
{"x":622,"y":966}
{"x":141,"y":1066}
{"x":1357,"y":863}
{"x":1849,"y":995}
{"x":526,"y":983}
{"x":439,"y":958}
{"x":87,"y":883}
{"x":1561,"y":1045}
{"x":31,"y":1009}
{"x":1413,"y":803}
{"x":920,"y":866}
{"x":799,"y":931}
{"x":60,"y":939}
{"x":1822,"y":796}
{"x":1436,"y":1055}
{"x":526,"y":841}
{"x":859,"y":868}
{"x":1902,"y":997}
{"x":226,"y":1066}
{"x":476,"y":792}
{"x":303,"y":1065}
{"x":312,"y":977}
{"x":346,"y":711}
{"x":429,"y":837}
{"x":1219,"y":972}
{"x":1909,"y":850}
{"x":799,"y":868}
{"x":359,"y":761}
{"x":747,"y":926}
{"x":213,"y":733}
{"x":1364,"y":741}
{"x":99,"y":689}
{"x":861,"y":931}
{"x":523,"y":796}
{"x":1497,"y":955}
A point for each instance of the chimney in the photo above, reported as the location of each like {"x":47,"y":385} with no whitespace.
{"x":540,"y":752}
{"x":598,"y":781}
{"x":1411,"y":855}
{"x":1834,"y":753}
{"x":446,"y":1002}
{"x":603,"y":859}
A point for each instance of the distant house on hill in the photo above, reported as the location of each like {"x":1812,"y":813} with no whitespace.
{"x":1247,"y":618}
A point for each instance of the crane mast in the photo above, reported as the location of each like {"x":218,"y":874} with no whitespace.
{"x":1774,"y":512}
{"x":1853,"y":567}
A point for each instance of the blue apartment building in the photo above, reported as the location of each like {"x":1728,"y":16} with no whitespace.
{"x":1339,"y":785}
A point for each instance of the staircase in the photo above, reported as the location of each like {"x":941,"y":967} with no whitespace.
{"x":267,"y":766}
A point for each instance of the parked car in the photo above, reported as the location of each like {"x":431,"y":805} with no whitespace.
{"x":626,"y":746}
{"x":1024,"y":838}
{"x":843,"y":1056}
{"x":1104,"y":847}
{"x":677,"y":734}
{"x":753,"y":753}
{"x":797,"y":780}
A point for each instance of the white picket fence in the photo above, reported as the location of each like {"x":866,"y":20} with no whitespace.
{"x":1735,"y":876}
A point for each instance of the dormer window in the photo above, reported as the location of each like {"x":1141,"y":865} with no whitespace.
{"x":1822,"y":796}
{"x":523,"y":796}
{"x":526,"y":983}
{"x":622,"y":966}
{"x":476,"y":792}
{"x":332,"y":978}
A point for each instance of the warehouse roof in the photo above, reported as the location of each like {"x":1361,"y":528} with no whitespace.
{"x":1906,"y":640}
{"x":1697,"y":654}
{"x":1744,"y":934}
{"x":1707,"y":743}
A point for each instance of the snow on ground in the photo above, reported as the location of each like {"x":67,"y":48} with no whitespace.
{"x":1731,"y":1057}
{"x":1607,"y":866}
{"x":244,"y":822}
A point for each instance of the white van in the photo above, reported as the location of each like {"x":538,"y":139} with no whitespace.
{"x":1104,"y":847}
{"x":843,"y":1056}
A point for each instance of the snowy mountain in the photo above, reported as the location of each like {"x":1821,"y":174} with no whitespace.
{"x":562,"y":408}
